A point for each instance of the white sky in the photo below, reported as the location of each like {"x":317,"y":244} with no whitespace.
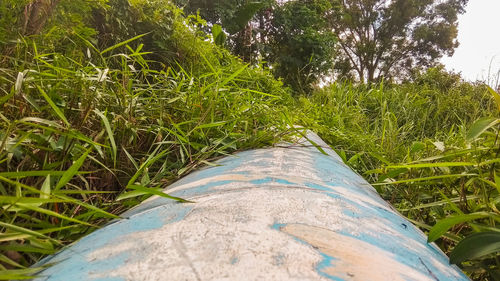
{"x":479,"y":37}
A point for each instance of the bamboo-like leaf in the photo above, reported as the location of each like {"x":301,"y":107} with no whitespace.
{"x":6,"y":260}
{"x":439,"y":203}
{"x":6,"y":98}
{"x":51,"y":213}
{"x":476,"y":246}
{"x":45,"y":188}
{"x":24,"y":174}
{"x":480,"y":126}
{"x":54,"y":106}
{"x":72,"y":171}
{"x":59,"y":195}
{"x":110,"y":134}
{"x":29,"y":200}
{"x":211,"y":125}
{"x":218,"y":35}
{"x":157,"y":192}
{"x":28,"y":120}
{"x":22,"y":230}
{"x":262,"y":93}
{"x":426,"y":179}
{"x":153,"y":157}
{"x":19,"y":82}
{"x":19,"y":274}
{"x":132,"y":160}
{"x":123,"y":43}
{"x":131,"y":194}
{"x":26,"y":248}
{"x":496,"y":96}
{"x":443,"y":225}
{"x":232,"y":76}
{"x":432,"y":165}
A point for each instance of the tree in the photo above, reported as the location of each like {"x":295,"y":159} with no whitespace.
{"x":387,"y":38}
{"x":301,"y":46}
{"x":237,"y":17}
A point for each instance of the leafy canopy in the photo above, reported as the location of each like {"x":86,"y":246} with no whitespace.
{"x":387,"y":38}
{"x":301,"y":46}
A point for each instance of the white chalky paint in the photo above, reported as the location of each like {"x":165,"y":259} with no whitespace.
{"x":272,"y":214}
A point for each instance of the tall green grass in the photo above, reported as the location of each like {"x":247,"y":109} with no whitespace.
{"x":430,"y":148}
{"x":83,"y":138}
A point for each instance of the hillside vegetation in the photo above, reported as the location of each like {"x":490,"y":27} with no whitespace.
{"x":100,"y":112}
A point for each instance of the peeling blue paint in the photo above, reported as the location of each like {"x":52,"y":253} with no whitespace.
{"x":72,"y":264}
{"x":278,"y":226}
{"x":200,"y":190}
{"x":325,"y":263}
{"x":279,"y":259}
{"x":319,"y":175}
{"x":110,"y":279}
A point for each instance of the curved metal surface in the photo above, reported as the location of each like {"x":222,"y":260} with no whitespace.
{"x":283,"y":213}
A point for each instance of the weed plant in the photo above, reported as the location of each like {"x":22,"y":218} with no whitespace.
{"x":430,"y":147}
{"x":86,"y":133}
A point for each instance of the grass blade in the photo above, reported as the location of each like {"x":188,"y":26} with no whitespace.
{"x":480,"y":126}
{"x":54,"y":106}
{"x":153,"y":191}
{"x":72,"y":171}
{"x":442,"y":226}
{"x":123,"y":43}
{"x":475,"y":246}
{"x":431,"y":165}
{"x":110,"y":135}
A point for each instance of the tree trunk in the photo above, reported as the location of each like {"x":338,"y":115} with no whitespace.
{"x":36,"y":15}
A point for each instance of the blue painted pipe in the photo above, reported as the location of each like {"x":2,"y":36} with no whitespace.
{"x":282,"y":213}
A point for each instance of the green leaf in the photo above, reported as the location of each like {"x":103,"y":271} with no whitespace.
{"x":18,"y":274}
{"x":218,"y":35}
{"x":210,"y":125}
{"x":28,"y":200}
{"x":480,"y":126}
{"x":20,"y":229}
{"x":442,"y":226}
{"x":232,"y":76}
{"x":51,"y":213}
{"x":5,"y":260}
{"x":24,"y":174}
{"x":6,"y":98}
{"x":45,"y":188}
{"x":243,"y":16}
{"x":417,"y":146}
{"x":497,"y":182}
{"x":72,"y":171}
{"x":26,"y":248}
{"x":54,"y":106}
{"x":354,"y":158}
{"x":432,"y":165}
{"x":154,"y":191}
{"x":110,"y":134}
{"x":475,"y":246}
{"x":496,"y":96}
{"x":123,"y":43}
{"x":131,"y":194}
{"x":426,"y":179}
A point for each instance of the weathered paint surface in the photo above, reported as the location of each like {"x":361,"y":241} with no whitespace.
{"x":283,"y":213}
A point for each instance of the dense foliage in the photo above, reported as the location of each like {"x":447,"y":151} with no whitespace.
{"x":375,"y":38}
{"x":107,"y":102}
{"x":301,"y":47}
{"x":385,"y":38}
